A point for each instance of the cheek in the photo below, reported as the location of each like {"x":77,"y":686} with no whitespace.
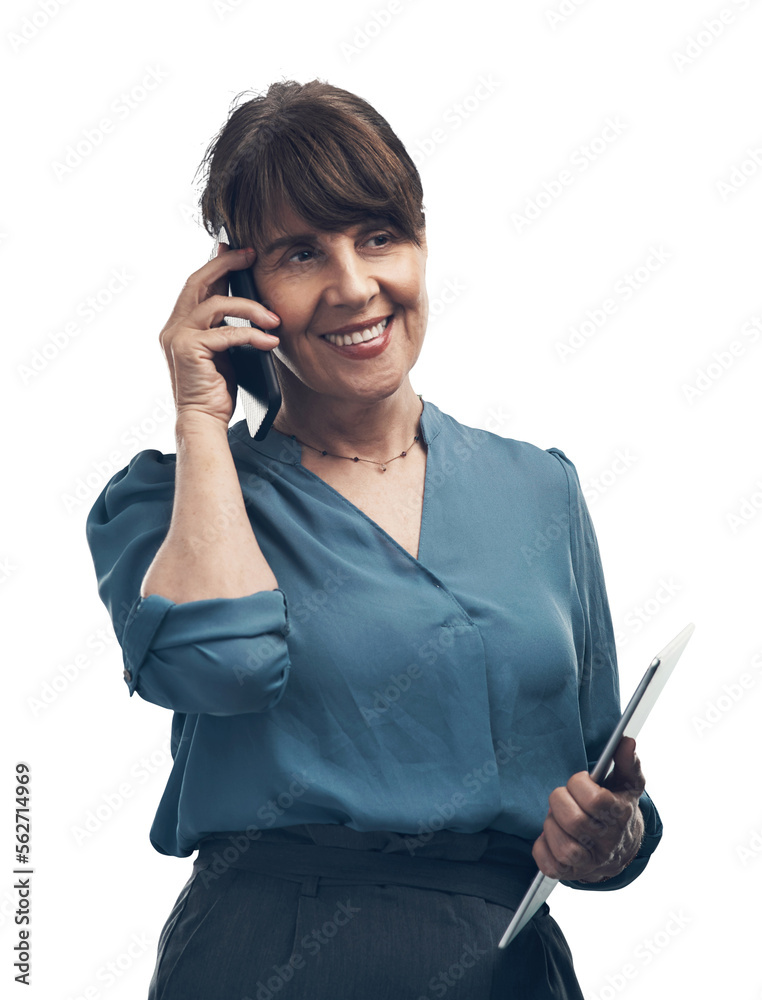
{"x":284,"y":300}
{"x":412,"y":282}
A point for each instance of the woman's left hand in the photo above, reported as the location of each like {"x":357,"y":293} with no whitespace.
{"x":593,"y":831}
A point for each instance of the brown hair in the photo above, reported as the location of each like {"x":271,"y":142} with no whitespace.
{"x":313,"y":147}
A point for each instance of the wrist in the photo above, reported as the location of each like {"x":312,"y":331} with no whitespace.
{"x":193,"y":423}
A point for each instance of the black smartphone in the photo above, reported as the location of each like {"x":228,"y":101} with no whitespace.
{"x":254,"y":369}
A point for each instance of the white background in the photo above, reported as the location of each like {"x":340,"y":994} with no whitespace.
{"x":533,"y":91}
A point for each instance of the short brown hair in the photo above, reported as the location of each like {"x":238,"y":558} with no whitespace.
{"x":313,"y":147}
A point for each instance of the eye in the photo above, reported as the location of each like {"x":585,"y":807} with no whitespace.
{"x":297,"y":253}
{"x":386,"y":239}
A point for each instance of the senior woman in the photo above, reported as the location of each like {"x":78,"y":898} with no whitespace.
{"x":384,"y":635}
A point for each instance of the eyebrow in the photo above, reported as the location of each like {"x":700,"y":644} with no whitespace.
{"x":284,"y":241}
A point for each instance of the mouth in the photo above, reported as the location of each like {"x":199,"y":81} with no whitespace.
{"x":357,"y":336}
{"x":362,"y":345}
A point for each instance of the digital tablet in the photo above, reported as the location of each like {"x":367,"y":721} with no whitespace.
{"x":632,"y":719}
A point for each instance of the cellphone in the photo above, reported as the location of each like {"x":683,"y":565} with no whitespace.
{"x":254,"y":370}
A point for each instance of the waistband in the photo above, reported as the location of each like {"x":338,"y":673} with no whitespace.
{"x":494,"y":866}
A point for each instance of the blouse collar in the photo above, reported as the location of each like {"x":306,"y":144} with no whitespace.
{"x":286,"y":449}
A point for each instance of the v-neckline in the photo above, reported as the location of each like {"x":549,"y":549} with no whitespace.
{"x":283,"y":448}
{"x":376,"y":525}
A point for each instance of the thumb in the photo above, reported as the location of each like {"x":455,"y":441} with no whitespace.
{"x":627,"y":775}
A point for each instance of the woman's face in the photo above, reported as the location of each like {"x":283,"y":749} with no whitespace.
{"x":322,"y":283}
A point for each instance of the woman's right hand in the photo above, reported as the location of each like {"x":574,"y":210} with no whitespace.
{"x":195,"y":344}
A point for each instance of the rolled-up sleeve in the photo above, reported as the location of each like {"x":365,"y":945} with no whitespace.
{"x":222,"y":656}
{"x":599,"y":697}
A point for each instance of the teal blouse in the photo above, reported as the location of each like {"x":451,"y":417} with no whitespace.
{"x":373,"y":689}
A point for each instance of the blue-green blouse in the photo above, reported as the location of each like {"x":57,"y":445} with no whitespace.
{"x":374,"y":689}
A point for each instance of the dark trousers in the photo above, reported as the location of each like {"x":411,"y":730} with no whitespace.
{"x":326,"y":912}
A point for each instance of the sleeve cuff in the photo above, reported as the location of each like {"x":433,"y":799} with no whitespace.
{"x":222,"y":656}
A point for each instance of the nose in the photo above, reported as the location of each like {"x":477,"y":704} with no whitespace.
{"x":349,"y":280}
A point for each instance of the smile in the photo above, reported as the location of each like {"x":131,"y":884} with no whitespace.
{"x":359,"y":336}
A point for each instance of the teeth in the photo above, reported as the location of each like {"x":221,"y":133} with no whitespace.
{"x":358,"y":337}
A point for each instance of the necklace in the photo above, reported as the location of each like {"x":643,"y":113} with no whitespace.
{"x":356,"y":458}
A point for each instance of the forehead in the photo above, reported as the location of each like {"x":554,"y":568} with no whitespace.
{"x":285,"y":220}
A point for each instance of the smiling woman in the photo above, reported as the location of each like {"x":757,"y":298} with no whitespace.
{"x":387,"y":696}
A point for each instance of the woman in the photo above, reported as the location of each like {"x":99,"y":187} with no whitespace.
{"x":384,"y":635}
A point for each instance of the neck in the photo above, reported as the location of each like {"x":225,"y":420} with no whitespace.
{"x":373,"y":429}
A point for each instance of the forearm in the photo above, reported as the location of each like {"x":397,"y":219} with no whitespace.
{"x":210,"y":550}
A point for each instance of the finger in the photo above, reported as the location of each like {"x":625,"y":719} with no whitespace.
{"x":627,"y":776}
{"x":212,"y":312}
{"x":189,"y":343}
{"x":607,"y":810}
{"x":543,"y":857}
{"x":199,"y":285}
{"x":574,"y":837}
{"x":577,"y":805}
{"x":546,"y":859}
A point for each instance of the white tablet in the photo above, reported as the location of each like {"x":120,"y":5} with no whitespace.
{"x":632,"y":719}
